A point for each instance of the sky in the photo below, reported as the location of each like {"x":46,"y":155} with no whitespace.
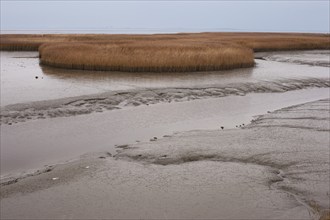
{"x":166,"y":16}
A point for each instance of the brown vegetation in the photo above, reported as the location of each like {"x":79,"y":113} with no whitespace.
{"x":145,"y":58}
{"x":325,"y":215}
{"x":159,"y":52}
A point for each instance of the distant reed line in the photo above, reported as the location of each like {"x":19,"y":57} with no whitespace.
{"x":159,"y":52}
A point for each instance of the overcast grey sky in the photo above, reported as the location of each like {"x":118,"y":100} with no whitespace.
{"x":286,"y":16}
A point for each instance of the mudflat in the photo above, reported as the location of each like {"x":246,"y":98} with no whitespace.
{"x":277,"y":167}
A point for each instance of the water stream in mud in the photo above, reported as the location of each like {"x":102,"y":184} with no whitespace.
{"x":38,"y":142}
{"x":31,"y":142}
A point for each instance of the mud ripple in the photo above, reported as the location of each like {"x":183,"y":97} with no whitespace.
{"x":67,"y":107}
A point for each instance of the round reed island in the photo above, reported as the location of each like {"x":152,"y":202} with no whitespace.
{"x":146,"y":57}
{"x":185,"y":52}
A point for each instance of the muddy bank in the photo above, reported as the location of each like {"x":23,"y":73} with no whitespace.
{"x":277,"y":167}
{"x":312,"y":58}
{"x":293,"y":142}
{"x":115,"y":100}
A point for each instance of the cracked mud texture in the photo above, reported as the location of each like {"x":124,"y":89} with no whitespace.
{"x":277,"y":167}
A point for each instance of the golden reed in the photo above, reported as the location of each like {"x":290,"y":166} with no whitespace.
{"x":159,"y":52}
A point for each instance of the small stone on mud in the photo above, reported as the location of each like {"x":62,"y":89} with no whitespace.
{"x":102,"y":157}
{"x":87,"y":167}
{"x":55,"y":178}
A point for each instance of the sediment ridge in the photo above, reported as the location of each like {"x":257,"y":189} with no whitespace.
{"x":87,"y":104}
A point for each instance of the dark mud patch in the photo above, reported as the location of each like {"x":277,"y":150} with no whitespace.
{"x":200,"y":156}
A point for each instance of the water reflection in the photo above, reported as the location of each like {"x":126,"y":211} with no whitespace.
{"x":187,"y":79}
{"x":24,"y":80}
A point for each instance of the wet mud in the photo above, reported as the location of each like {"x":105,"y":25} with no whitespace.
{"x":292,"y":142}
{"x":273,"y":166}
{"x":116,"y":100}
{"x":312,"y":58}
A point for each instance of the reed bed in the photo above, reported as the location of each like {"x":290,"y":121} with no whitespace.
{"x":159,"y":52}
{"x":145,"y":58}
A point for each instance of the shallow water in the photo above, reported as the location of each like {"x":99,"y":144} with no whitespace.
{"x":32,"y":137}
{"x":32,"y":144}
{"x":19,"y":69}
